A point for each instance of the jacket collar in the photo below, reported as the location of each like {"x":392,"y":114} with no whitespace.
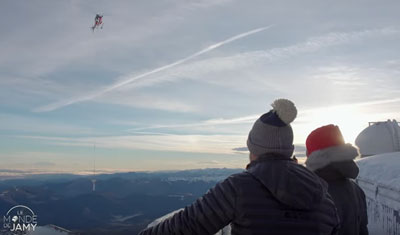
{"x":338,"y":170}
{"x":268,"y":157}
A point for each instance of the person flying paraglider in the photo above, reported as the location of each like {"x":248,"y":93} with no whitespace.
{"x":98,"y":22}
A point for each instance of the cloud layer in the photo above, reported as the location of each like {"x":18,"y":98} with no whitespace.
{"x":138,"y":91}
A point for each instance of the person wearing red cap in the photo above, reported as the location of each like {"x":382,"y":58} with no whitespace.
{"x":333,"y":160}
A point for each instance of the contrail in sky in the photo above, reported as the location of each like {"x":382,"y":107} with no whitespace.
{"x":63,"y":103}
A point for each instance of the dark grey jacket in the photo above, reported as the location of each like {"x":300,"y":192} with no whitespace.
{"x":349,"y":198}
{"x":274,"y":196}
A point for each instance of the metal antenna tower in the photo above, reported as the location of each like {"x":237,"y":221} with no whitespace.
{"x":94,"y":169}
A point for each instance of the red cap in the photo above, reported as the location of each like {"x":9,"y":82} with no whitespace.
{"x":324,"y":137}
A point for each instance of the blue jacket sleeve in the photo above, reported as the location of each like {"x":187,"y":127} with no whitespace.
{"x":206,"y":215}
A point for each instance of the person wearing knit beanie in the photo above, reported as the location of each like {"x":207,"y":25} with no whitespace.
{"x":272,"y":133}
{"x":275,"y":195}
{"x":333,"y":160}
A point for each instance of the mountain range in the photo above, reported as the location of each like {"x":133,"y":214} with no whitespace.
{"x":123,"y":203}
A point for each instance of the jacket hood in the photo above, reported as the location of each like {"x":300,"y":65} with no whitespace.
{"x":335,"y":162}
{"x":324,"y":157}
{"x":289,"y":182}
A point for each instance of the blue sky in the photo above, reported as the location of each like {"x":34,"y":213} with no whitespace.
{"x":177,"y":84}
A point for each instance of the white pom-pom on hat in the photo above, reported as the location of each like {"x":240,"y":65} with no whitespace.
{"x":285,"y":109}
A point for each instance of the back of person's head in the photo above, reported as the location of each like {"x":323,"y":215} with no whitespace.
{"x":272,"y":133}
{"x":324,"y":137}
{"x":326,"y":145}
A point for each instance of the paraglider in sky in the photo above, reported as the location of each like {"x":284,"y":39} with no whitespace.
{"x":98,"y":22}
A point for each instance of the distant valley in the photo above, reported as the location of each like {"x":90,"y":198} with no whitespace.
{"x":122,"y":203}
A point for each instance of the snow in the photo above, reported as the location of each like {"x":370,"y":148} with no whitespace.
{"x":122,"y":219}
{"x":382,"y":169}
{"x":380,"y":179}
{"x":161,"y":219}
{"x":225,"y":231}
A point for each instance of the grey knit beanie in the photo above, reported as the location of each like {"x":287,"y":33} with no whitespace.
{"x":272,"y":133}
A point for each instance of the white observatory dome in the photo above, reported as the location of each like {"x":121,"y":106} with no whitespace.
{"x":379,"y":137}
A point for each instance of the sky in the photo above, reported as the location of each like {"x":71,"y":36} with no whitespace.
{"x":177,"y":84}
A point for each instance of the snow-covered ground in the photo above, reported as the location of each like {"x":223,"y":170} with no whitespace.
{"x":122,"y":219}
{"x":383,"y":169}
{"x":380,"y":179}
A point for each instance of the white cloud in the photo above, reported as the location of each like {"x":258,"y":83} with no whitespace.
{"x":52,"y":39}
{"x":22,"y":124}
{"x":202,"y":124}
{"x":148,"y":101}
{"x":218,"y":144}
{"x":130,"y":79}
{"x":351,"y":118}
{"x":315,"y":59}
{"x":344,"y":76}
{"x":235,"y":62}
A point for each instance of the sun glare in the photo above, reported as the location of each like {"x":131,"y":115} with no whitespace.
{"x":351,"y":121}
